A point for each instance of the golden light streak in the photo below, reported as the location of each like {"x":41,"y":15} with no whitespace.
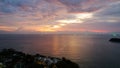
{"x":67,"y":21}
{"x":56,"y":26}
{"x":62,"y":24}
{"x":79,"y":18}
{"x":7,"y":28}
{"x":43,"y":28}
{"x":70,"y":21}
{"x":99,"y":31}
{"x":84,"y":15}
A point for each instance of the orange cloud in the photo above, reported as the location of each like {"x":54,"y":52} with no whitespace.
{"x":99,"y":31}
{"x":7,"y":28}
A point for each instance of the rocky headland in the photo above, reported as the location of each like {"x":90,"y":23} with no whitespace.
{"x":10,"y":58}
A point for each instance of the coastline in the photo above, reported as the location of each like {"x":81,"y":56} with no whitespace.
{"x":10,"y":58}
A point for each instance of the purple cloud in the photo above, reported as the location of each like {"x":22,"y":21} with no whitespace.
{"x":16,"y":13}
{"x":11,"y":6}
{"x":85,"y":5}
{"x":112,"y":10}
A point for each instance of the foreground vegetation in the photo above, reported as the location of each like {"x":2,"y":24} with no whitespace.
{"x":10,"y":58}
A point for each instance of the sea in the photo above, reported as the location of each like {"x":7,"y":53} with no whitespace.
{"x":88,"y":50}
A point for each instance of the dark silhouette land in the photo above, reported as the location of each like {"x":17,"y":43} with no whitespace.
{"x":10,"y":58}
{"x":115,"y":40}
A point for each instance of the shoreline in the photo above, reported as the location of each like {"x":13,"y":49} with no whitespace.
{"x":10,"y":58}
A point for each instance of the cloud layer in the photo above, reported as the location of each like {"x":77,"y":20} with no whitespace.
{"x":60,"y":15}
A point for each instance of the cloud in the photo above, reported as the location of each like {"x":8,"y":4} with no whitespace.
{"x":49,"y":6}
{"x":85,"y":5}
{"x":10,"y":6}
{"x":30,"y":8}
{"x":6,"y":28}
{"x":16,"y":6}
{"x":22,"y":13}
{"x":109,"y":14}
{"x":106,"y":19}
{"x":112,"y":10}
{"x":40,"y":15}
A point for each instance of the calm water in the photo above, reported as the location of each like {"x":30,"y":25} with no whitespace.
{"x":90,"y":51}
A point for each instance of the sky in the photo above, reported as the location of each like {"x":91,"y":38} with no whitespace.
{"x":36,"y":16}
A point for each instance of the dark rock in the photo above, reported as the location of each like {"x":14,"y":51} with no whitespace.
{"x":115,"y":40}
{"x":11,"y":58}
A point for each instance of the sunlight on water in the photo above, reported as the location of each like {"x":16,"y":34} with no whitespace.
{"x":90,"y":51}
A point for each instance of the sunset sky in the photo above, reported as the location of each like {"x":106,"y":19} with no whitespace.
{"x":21,"y":16}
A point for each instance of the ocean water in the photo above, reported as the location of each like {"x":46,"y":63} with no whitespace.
{"x":89,"y":51}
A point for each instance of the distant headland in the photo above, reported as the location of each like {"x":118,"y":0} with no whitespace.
{"x":115,"y":40}
{"x":10,"y":58}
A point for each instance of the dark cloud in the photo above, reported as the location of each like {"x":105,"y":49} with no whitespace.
{"x":85,"y":5}
{"x":112,"y":10}
{"x":8,"y":9}
{"x":11,"y":6}
{"x":71,"y":2}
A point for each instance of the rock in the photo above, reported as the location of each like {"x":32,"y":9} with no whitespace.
{"x":115,"y":40}
{"x":10,"y":58}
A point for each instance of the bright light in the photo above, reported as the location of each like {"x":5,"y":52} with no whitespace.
{"x":79,"y":18}
{"x":43,"y":28}
{"x":67,"y":21}
{"x":84,"y":15}
{"x":56,"y":26}
{"x":62,"y":24}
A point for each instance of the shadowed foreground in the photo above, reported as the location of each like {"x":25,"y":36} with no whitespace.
{"x":9,"y":58}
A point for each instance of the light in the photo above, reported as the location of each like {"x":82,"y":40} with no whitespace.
{"x":56,"y":26}
{"x":84,"y":15}
{"x":8,"y":28}
{"x":67,"y":21}
{"x":79,"y":18}
{"x":62,"y":24}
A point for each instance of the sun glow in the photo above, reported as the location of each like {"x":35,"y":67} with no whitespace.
{"x":62,"y":24}
{"x":84,"y":15}
{"x":56,"y":26}
{"x":45,"y":30}
{"x":67,"y":21}
{"x":7,"y":28}
{"x":78,"y":18}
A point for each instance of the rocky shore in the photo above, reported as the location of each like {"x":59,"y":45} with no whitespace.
{"x":10,"y":58}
